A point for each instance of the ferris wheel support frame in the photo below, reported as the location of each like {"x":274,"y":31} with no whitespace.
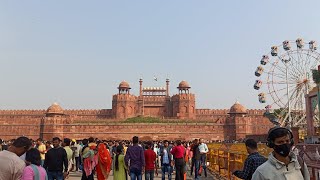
{"x":288,"y":99}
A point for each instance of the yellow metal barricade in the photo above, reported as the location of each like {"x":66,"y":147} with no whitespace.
{"x":264,"y":150}
{"x":238,"y":154}
{"x":213,"y":157}
{"x":225,"y":158}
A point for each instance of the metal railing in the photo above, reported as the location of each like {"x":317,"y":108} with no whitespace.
{"x":225,"y":158}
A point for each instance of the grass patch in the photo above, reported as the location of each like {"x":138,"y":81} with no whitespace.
{"x":157,"y":120}
{"x":144,"y":120}
{"x":147,"y":120}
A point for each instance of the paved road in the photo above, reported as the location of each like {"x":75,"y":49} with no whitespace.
{"x":77,"y":176}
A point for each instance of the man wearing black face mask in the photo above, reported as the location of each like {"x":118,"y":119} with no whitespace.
{"x":282,"y":164}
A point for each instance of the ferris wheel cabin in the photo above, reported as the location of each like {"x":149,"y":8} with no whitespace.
{"x":257,"y":85}
{"x":286,"y":45}
{"x":259,"y":71}
{"x":299,"y":43}
{"x":274,"y":50}
{"x":313,"y":45}
{"x":262,"y":98}
{"x":264,"y":60}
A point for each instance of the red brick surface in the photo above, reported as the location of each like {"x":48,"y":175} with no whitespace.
{"x":77,"y":125}
{"x":212,"y":124}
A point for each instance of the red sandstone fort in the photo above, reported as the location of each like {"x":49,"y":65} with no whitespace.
{"x":182,"y":119}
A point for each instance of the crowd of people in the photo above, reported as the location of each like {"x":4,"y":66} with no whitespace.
{"x":25,"y":159}
{"x":55,"y":159}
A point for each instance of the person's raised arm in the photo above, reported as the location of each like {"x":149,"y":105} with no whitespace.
{"x":247,"y":169}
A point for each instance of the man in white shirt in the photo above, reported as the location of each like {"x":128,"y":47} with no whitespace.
{"x":203,"y":148}
{"x":11,"y":166}
{"x":282,"y":163}
{"x":76,"y":148}
{"x":156,"y":150}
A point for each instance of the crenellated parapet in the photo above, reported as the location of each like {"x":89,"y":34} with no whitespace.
{"x":215,"y":115}
{"x":124,"y":97}
{"x":154,"y":91}
{"x":22,"y":112}
{"x":154,"y":98}
{"x":212,"y":111}
{"x":68,"y":112}
{"x":256,"y":112}
{"x":179,"y":97}
{"x":92,"y":112}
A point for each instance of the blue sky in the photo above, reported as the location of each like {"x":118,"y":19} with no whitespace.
{"x":77,"y":52}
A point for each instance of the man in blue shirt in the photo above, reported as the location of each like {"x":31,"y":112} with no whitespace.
{"x":253,"y":161}
{"x":166,"y":158}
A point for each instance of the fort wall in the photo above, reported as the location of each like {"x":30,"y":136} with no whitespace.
{"x":186,"y":122}
{"x":212,"y":124}
{"x":148,"y":131}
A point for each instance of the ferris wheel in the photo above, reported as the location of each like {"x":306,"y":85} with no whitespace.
{"x":284,"y":77}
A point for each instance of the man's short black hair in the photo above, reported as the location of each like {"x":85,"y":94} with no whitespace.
{"x":85,"y":141}
{"x":148,"y":145}
{"x":56,"y":139}
{"x":33,"y":156}
{"x":178,"y":142}
{"x":39,"y":139}
{"x":22,"y":142}
{"x":91,"y":139}
{"x":66,"y":141}
{"x":251,"y":143}
{"x":277,"y":133}
{"x":135,"y":140}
